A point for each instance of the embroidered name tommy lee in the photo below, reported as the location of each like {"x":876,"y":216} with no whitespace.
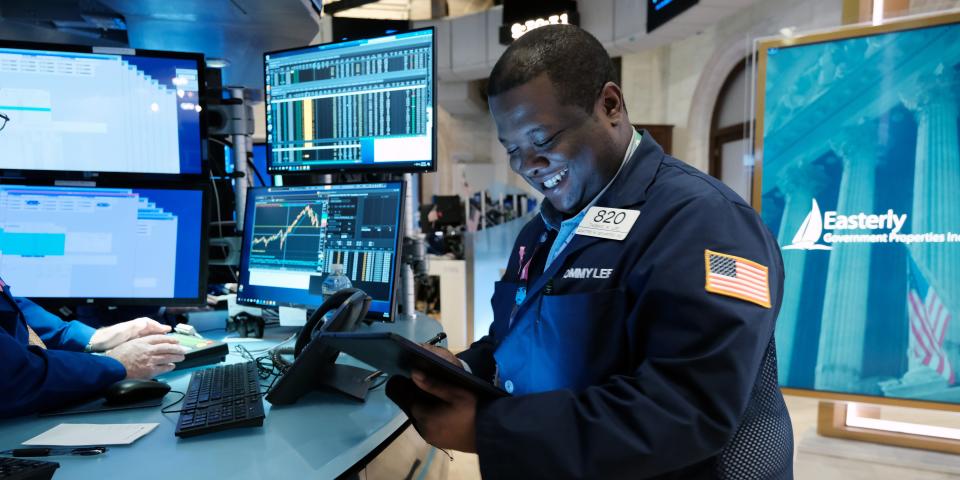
{"x":599,"y":273}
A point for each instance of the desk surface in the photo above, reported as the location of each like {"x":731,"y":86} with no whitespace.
{"x":321,"y":436}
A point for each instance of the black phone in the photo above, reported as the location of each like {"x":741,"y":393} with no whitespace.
{"x":314,"y":362}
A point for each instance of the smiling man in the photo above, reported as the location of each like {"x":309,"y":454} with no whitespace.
{"x":634,"y":323}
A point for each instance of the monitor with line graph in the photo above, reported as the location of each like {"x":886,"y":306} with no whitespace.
{"x":109,"y":111}
{"x":292,"y":236}
{"x":113,"y":245}
{"x":359,"y":105}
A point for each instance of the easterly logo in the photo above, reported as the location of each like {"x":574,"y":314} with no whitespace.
{"x":810,"y":232}
{"x":866,"y":225}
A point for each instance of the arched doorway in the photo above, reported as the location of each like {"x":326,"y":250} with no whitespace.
{"x":730,"y":158}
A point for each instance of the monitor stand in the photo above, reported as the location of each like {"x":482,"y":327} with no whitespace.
{"x":292,"y":317}
{"x":352,"y":381}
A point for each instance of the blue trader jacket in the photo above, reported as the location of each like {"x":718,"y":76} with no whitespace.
{"x":34,"y":379}
{"x":621,"y":363}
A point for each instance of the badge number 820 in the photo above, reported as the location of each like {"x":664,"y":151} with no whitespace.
{"x":610,"y":216}
{"x":606,"y":222}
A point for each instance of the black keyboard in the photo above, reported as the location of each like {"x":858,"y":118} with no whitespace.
{"x":222,"y":397}
{"x":23,"y":469}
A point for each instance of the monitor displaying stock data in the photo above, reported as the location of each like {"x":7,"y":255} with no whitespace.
{"x":117,"y":245}
{"x":73,"y":109}
{"x":359,"y":105}
{"x":292,"y":236}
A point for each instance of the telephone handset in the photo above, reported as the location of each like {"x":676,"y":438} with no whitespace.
{"x":344,"y":319}
{"x":314,"y":362}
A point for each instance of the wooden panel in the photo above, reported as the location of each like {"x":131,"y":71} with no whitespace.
{"x":832,"y":422}
{"x":663,"y":134}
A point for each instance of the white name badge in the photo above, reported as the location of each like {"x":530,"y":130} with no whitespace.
{"x":610,"y":223}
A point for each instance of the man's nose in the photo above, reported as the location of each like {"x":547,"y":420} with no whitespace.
{"x":531,"y":164}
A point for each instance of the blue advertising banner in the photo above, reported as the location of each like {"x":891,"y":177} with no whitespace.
{"x":860,"y":181}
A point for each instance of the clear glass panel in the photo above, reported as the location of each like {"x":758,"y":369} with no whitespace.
{"x":736,"y":169}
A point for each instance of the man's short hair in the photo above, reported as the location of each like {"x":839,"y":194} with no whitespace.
{"x":573,"y":60}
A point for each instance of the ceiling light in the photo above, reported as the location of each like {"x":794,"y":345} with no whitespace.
{"x":213,"y":62}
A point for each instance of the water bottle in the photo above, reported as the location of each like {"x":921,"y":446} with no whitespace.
{"x":334,"y":282}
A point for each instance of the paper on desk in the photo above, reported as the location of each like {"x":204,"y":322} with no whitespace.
{"x":78,"y":434}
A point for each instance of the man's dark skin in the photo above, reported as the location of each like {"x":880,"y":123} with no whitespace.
{"x":543,"y":137}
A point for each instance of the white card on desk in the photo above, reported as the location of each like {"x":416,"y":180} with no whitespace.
{"x":241,"y":340}
{"x":606,"y":222}
{"x":79,"y":434}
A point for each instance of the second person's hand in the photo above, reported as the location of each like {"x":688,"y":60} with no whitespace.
{"x":109,"y":337}
{"x":147,"y":357}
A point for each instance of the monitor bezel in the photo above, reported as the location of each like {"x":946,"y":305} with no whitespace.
{"x":204,"y":188}
{"x":96,"y":175}
{"x":396,"y":167}
{"x":396,"y":264}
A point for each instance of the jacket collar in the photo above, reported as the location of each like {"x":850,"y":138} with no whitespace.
{"x":630,"y":187}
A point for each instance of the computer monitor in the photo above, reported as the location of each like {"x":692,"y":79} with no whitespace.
{"x":112,"y":245}
{"x":80,"y":109}
{"x":359,"y":105}
{"x":293,"y":235}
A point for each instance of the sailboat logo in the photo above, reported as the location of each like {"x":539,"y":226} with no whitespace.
{"x":810,"y":232}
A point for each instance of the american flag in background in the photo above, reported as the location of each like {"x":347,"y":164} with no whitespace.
{"x":929,"y":319}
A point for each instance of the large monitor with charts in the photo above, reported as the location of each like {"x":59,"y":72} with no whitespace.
{"x":104,"y":244}
{"x":293,"y":236}
{"x":78,"y":109}
{"x":359,"y":105}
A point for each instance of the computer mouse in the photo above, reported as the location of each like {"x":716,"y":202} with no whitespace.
{"x":126,"y":392}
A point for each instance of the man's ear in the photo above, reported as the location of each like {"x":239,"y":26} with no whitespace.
{"x":610,"y":104}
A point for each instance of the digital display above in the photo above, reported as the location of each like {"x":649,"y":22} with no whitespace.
{"x":660,"y":12}
{"x":519,"y":17}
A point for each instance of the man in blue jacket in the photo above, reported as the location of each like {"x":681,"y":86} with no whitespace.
{"x":634,"y":323}
{"x":47,"y":363}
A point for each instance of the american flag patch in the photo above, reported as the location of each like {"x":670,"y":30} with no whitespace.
{"x":737,"y":277}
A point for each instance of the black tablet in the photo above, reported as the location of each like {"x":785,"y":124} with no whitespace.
{"x":398,"y":356}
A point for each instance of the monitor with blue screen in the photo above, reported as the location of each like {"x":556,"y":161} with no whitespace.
{"x":292,"y":237}
{"x":260,"y":163}
{"x":358,"y":105}
{"x":100,"y":244}
{"x":72,"y":109}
